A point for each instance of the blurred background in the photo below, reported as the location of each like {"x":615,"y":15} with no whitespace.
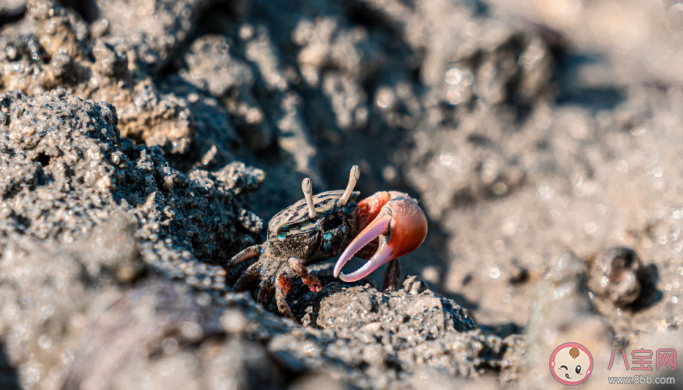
{"x":543,"y":138}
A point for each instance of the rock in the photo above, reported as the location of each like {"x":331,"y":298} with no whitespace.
{"x":616,"y":275}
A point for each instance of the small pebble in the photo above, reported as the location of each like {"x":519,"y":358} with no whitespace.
{"x":615,"y":275}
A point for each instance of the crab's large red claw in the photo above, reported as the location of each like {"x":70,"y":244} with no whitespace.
{"x":401,"y":227}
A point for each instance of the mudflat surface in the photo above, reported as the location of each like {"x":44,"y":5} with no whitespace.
{"x":144,"y":143}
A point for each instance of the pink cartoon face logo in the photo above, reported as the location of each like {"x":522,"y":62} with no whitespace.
{"x":571,"y":364}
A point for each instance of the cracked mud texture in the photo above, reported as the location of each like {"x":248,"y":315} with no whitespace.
{"x":142,"y":143}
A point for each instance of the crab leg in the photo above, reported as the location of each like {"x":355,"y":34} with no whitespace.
{"x":310,"y":280}
{"x":245,"y":254}
{"x":392,"y":276}
{"x":265,"y":292}
{"x":282,"y":287}
{"x":248,"y":277}
{"x":396,"y":221}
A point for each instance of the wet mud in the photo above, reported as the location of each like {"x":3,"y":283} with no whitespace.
{"x":144,"y":143}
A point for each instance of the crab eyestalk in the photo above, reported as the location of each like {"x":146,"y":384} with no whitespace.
{"x":396,"y":220}
{"x":353,"y":179}
{"x":307,"y":189}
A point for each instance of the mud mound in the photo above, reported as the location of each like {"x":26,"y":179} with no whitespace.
{"x":66,"y":170}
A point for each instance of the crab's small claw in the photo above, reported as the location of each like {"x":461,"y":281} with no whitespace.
{"x":399,"y":224}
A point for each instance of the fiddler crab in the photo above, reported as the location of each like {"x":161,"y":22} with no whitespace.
{"x":316,"y":228}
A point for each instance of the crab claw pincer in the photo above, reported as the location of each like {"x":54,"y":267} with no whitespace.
{"x":396,"y":220}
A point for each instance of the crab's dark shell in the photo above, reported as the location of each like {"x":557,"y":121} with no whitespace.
{"x":292,"y":233}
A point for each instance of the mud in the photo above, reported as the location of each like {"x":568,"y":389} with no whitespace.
{"x":143,"y":143}
{"x":164,"y":336}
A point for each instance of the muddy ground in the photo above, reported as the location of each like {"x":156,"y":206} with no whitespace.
{"x":143,"y":143}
